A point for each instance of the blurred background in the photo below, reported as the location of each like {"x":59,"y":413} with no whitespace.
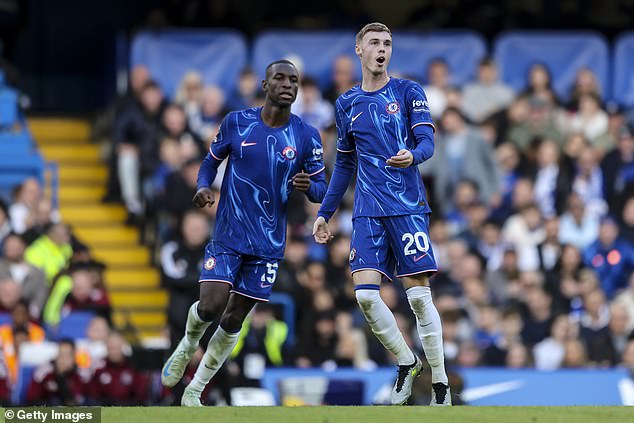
{"x":106,"y":109}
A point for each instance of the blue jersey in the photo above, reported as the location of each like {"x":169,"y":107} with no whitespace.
{"x":375,"y":126}
{"x":251,"y":216}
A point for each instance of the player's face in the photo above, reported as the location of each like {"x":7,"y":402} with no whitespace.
{"x":281,"y":84}
{"x":375,"y":51}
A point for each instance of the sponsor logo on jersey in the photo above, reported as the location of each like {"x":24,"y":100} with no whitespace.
{"x":289,"y":153}
{"x":353,"y":254}
{"x":420,"y":106}
{"x":318,"y":153}
{"x":210,"y":263}
{"x":392,"y":107}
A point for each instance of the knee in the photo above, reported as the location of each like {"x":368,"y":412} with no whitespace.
{"x":232,"y":322}
{"x":209,"y":309}
{"x":367,"y":297}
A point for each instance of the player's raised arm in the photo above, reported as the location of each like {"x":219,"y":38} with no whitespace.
{"x":218,"y":150}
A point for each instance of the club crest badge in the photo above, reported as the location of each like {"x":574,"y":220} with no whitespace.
{"x":289,"y":153}
{"x":392,"y":107}
{"x":210,"y":263}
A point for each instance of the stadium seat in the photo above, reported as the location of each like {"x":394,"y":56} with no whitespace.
{"x":218,"y":55}
{"x":317,"y":51}
{"x":74,"y":325}
{"x":623,"y":80}
{"x":461,"y":50}
{"x":8,"y":107}
{"x":564,"y":53}
{"x":5,"y":318}
{"x":15,"y":168}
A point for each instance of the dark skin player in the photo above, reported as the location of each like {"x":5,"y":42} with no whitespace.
{"x":280,"y":88}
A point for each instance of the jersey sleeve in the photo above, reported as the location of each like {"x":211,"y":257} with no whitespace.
{"x":221,"y":145}
{"x":345,"y":144}
{"x":417,"y":106}
{"x":314,"y":157}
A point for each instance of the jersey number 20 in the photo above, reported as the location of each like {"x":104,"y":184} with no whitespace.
{"x":419,"y":238}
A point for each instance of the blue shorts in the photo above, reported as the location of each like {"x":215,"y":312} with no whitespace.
{"x":250,"y":276}
{"x":394,"y":245}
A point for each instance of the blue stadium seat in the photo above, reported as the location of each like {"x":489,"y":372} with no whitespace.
{"x":16,"y":167}
{"x":219,"y":56}
{"x":5,"y":318}
{"x":564,"y":53}
{"x":316,"y":49}
{"x":74,"y":325}
{"x":461,"y":50}
{"x":623,"y":80}
{"x":412,"y":52}
{"x":9,"y":115}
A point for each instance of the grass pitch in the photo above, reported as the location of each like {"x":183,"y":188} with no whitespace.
{"x":367,"y":414}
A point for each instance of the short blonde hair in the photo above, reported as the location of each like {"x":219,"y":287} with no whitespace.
{"x":372,"y":27}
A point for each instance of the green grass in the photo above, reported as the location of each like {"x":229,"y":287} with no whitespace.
{"x":367,"y":414}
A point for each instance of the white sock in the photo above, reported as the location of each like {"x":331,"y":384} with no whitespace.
{"x":429,"y":330}
{"x":220,"y":346}
{"x":195,"y":327}
{"x":383,"y":324}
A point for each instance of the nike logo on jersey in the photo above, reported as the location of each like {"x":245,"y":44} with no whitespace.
{"x":355,"y":117}
{"x":416,"y":259}
{"x":247,"y":144}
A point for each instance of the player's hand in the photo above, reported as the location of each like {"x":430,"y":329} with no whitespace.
{"x":321,"y":232}
{"x":404,"y":158}
{"x":301,"y":181}
{"x":203,"y":197}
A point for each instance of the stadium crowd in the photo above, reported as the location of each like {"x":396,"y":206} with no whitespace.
{"x":532,"y":227}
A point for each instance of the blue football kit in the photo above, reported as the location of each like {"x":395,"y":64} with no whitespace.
{"x":250,"y":232}
{"x":391,"y":212}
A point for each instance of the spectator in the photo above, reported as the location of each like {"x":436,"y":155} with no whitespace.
{"x":5,"y":223}
{"x":504,"y":282}
{"x":627,"y":221}
{"x":592,"y":122}
{"x":116,"y":382}
{"x":486,"y":96}
{"x":539,"y":82}
{"x":438,"y":80}
{"x":537,"y":316}
{"x":86,"y":294}
{"x":540,"y":122}
{"x":552,"y":182}
{"x":26,"y":198}
{"x":525,"y":231}
{"x":578,"y":226}
{"x":461,"y":154}
{"x":14,"y":334}
{"x":247,"y":90}
{"x":91,"y":349}
{"x":626,"y":299}
{"x":611,"y":257}
{"x":477,"y":214}
{"x":585,"y":84}
{"x":490,"y":245}
{"x":575,"y":355}
{"x":549,"y":250}
{"x":31,"y":279}
{"x":189,"y":92}
{"x":549,"y":353}
{"x":518,"y":356}
{"x":313,"y":108}
{"x":618,"y":171}
{"x":620,"y":330}
{"x":175,"y":127}
{"x":342,"y":78}
{"x":180,"y":188}
{"x":588,"y":182}
{"x":136,"y":134}
{"x":508,"y":160}
{"x":59,"y":382}
{"x":594,"y":328}
{"x":205,"y":121}
{"x":319,"y":348}
{"x":10,"y":294}
{"x":180,"y":268}
{"x":261,"y":344}
{"x":52,"y":251}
